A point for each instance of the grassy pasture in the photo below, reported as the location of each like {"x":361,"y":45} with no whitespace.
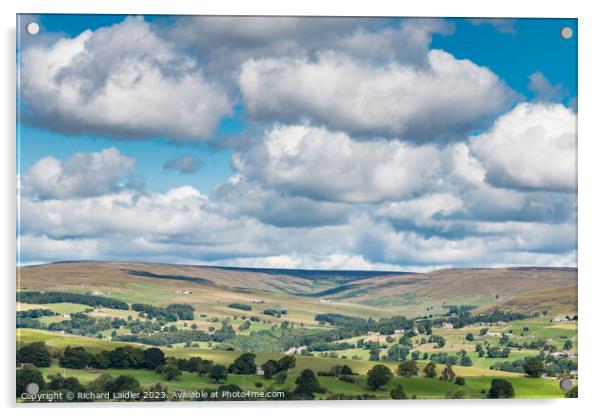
{"x":62,"y":308}
{"x":47,"y":320}
{"x":60,"y":341}
{"x":99,"y":313}
{"x":375,"y":297}
{"x":538,"y":329}
{"x":422,"y":387}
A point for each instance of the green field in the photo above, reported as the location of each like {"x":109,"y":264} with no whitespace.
{"x":366,"y":305}
{"x":422,"y":387}
{"x":62,"y":308}
{"x":58,"y":341}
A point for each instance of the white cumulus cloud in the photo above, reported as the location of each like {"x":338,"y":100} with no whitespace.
{"x":531,"y":147}
{"x":225,"y":42}
{"x":442,"y":100}
{"x":122,"y":81}
{"x":326,"y":165}
{"x":83,"y":174}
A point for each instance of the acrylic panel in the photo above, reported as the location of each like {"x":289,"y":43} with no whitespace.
{"x":295,"y":208}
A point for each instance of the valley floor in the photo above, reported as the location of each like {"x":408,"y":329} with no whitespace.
{"x":478,"y":380}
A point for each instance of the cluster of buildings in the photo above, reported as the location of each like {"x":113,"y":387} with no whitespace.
{"x":293,"y":350}
{"x":565,"y":354}
{"x":498,"y":323}
{"x":559,"y":320}
{"x":499,"y":334}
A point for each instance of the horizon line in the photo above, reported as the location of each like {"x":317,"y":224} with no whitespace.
{"x":37,"y":264}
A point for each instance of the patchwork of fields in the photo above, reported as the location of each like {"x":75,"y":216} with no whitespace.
{"x":480,"y":324}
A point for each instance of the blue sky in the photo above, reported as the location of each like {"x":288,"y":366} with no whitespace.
{"x":36,"y":143}
{"x":256,"y":105}
{"x":534,"y":46}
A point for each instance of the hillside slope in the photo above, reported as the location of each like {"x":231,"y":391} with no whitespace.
{"x":468,"y":286}
{"x":561,"y":300}
{"x":309,"y":292}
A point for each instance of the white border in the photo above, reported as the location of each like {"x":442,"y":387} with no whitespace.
{"x":590,"y":209}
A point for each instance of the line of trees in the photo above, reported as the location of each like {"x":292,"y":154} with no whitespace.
{"x":29,"y":318}
{"x":58,"y":297}
{"x":163,"y":339}
{"x":35,"y":313}
{"x":277,"y":313}
{"x":307,"y":384}
{"x":171,"y":313}
{"x":241,"y":306}
{"x":171,"y":335}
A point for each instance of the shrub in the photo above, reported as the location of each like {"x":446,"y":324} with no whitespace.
{"x":76,"y":357}
{"x":572,"y":393}
{"x":398,"y":394}
{"x":280,"y":377}
{"x":153,"y":358}
{"x":407,"y":368}
{"x":456,"y":394}
{"x":169,"y":372}
{"x":465,"y":361}
{"x":218,"y":373}
{"x":244,"y":364}
{"x":430,"y":370}
{"x":534,"y":367}
{"x":448,"y":373}
{"x":500,"y":389}
{"x":29,"y":375}
{"x":347,"y":378}
{"x":378,"y":376}
{"x":36,"y":353}
{"x":307,"y":385}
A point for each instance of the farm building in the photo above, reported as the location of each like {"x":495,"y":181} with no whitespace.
{"x":558,"y":320}
{"x":562,"y":355}
{"x":293,"y":350}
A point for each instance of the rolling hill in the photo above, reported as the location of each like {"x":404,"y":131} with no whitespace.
{"x":559,"y":300}
{"x":305,"y":293}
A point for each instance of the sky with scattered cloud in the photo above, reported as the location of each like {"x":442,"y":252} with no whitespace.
{"x":289,"y":142}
